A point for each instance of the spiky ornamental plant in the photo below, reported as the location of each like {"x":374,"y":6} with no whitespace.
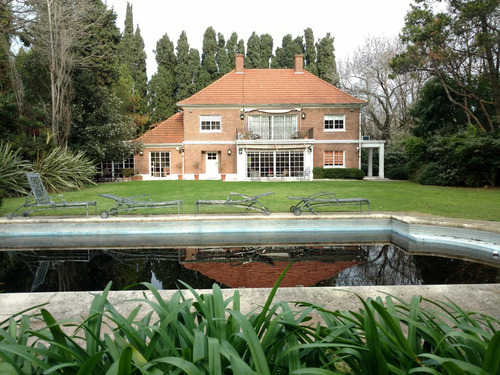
{"x":13,"y":170}
{"x":63,"y":170}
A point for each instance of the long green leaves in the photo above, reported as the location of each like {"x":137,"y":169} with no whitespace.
{"x":198,"y":334}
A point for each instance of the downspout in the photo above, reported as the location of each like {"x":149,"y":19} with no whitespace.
{"x":359,"y":138}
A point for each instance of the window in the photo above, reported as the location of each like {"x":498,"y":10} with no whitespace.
{"x":275,"y":163}
{"x":273,"y":127}
{"x":334,"y":159}
{"x":160,"y":164}
{"x":210,"y":123}
{"x":334,"y":122}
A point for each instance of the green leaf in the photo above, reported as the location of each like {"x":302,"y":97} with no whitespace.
{"x":491,"y":361}
{"x":182,"y":364}
{"x":214,"y":360}
{"x":125,"y":363}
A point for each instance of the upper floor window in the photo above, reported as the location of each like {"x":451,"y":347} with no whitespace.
{"x":210,"y":123}
{"x":334,"y":122}
{"x":334,"y":159}
{"x":273,"y":126}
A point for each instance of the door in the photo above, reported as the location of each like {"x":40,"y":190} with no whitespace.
{"x":212,"y":165}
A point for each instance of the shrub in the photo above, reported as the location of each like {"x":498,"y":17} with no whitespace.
{"x":65,"y":170}
{"x":13,"y":170}
{"x":398,"y":173}
{"x":349,"y":173}
{"x":438,"y":175}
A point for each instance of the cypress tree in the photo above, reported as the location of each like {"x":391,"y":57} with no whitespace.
{"x":253,"y":52}
{"x":182,"y":75}
{"x":232,"y":48}
{"x":222,"y":57}
{"x":162,"y":87}
{"x":327,"y":66}
{"x":266,"y":50}
{"x":310,"y":52}
{"x":209,"y":69}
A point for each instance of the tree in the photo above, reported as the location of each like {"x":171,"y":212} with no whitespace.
{"x":266,"y":50}
{"x":181,"y":71}
{"x":310,"y":52}
{"x":326,"y":63}
{"x":252,"y":60}
{"x":162,"y":87}
{"x":460,"y":43}
{"x":133,"y":75}
{"x":209,"y":70}
{"x":54,"y":32}
{"x":222,"y":57}
{"x":284,"y":56}
{"x":367,"y":74}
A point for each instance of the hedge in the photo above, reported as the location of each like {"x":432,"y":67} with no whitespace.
{"x":348,"y":173}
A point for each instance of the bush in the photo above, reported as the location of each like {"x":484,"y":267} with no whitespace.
{"x":65,"y":170}
{"x":398,"y":173}
{"x":13,"y":170}
{"x":349,"y":173}
{"x":436,"y":174}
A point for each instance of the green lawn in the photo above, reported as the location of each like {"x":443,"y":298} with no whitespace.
{"x":398,"y":196}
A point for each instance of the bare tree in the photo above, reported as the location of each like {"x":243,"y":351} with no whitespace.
{"x":367,"y":75}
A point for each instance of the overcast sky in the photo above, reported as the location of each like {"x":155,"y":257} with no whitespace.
{"x":350,"y":22}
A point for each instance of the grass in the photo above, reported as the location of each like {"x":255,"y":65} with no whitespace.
{"x":395,"y":196}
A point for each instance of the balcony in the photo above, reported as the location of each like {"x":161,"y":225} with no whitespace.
{"x":255,"y":136}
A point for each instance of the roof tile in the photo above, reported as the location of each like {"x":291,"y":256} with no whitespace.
{"x":170,"y":130}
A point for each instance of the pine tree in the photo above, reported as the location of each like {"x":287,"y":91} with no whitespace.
{"x":310,"y":52}
{"x":327,"y":66}
{"x":252,"y":60}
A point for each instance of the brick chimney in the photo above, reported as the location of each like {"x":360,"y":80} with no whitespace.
{"x":298,"y":63}
{"x":239,"y":60}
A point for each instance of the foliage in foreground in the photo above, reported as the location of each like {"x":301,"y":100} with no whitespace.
{"x":208,"y":334}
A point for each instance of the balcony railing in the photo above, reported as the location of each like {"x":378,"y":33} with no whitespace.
{"x":250,"y":135}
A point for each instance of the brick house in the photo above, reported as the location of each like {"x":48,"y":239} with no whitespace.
{"x":253,"y":124}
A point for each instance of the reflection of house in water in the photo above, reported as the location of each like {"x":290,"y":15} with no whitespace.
{"x":260,"y":267}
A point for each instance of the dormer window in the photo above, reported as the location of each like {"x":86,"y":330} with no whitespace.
{"x":210,"y":123}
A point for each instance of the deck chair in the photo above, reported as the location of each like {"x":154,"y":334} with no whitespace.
{"x":237,"y":200}
{"x":38,"y":199}
{"x":137,"y":202}
{"x":325,"y":198}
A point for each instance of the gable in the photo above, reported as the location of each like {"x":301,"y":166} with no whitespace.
{"x":168,"y":131}
{"x":270,"y":87}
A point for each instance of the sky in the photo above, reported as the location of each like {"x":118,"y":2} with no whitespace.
{"x":350,"y":22}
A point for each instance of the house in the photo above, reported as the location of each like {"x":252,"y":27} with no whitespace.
{"x":256,"y":124}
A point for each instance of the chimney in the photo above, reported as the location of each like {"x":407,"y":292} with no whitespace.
{"x":298,"y":63}
{"x":239,"y":60}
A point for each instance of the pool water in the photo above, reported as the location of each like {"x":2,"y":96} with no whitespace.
{"x":234,"y":266}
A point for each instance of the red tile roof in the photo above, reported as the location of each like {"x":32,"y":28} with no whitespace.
{"x":170,"y":130}
{"x":270,"y":87}
{"x":262,"y":275}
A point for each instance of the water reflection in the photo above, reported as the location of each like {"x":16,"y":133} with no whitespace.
{"x":257,"y":266}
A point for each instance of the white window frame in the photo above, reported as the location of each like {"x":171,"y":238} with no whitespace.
{"x":334,"y":165}
{"x":334,"y":118}
{"x":213,"y":120}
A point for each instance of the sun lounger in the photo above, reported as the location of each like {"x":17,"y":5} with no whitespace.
{"x":135,"y":203}
{"x":325,"y":198}
{"x":38,"y":199}
{"x":237,"y":200}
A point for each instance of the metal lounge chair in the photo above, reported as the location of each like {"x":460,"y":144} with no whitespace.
{"x":325,"y":198}
{"x":137,"y":202}
{"x":237,"y":200}
{"x":38,"y":199}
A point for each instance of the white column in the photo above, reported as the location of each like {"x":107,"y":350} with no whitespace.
{"x":370,"y":162}
{"x":381,"y":161}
